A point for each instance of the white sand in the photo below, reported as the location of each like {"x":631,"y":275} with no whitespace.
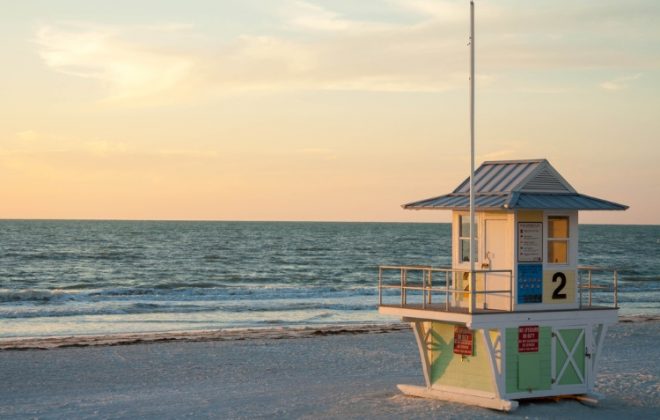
{"x":312,"y":376}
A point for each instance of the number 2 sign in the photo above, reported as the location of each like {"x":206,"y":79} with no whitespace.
{"x":559,"y":286}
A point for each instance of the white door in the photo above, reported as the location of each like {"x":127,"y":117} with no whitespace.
{"x":496,"y":258}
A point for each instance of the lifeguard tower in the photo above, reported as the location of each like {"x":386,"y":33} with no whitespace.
{"x":528,"y":322}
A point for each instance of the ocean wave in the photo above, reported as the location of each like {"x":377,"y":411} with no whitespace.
{"x":640,"y":278}
{"x":136,"y":308}
{"x":215,"y":293}
{"x":110,"y":255}
{"x":30,"y":295}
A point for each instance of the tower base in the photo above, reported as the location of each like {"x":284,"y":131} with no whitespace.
{"x":486,"y":402}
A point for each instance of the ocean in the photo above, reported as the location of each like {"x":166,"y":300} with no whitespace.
{"x":62,"y":278}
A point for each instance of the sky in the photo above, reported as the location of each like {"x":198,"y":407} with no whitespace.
{"x":324,"y":110}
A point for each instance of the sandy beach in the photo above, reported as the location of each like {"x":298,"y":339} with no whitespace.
{"x":316,"y":374}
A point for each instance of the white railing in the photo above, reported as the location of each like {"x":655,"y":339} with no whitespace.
{"x":586,"y":283}
{"x":455,"y":290}
{"x":459,"y":291}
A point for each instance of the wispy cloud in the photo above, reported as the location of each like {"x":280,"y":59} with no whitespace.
{"x":311,"y":16}
{"x":498,"y":154}
{"x":442,"y":10}
{"x":318,"y":48}
{"x":304,"y":15}
{"x":619,"y":83}
{"x":129,"y":69}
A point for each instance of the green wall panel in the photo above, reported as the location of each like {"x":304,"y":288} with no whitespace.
{"x":529,"y":371}
{"x":570,"y":376}
{"x":525,"y":371}
{"x":447,"y":368}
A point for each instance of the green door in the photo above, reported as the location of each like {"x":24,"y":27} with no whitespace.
{"x":569,"y":356}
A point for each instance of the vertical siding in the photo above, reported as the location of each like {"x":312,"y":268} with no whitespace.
{"x":447,"y":368}
{"x":512,"y":360}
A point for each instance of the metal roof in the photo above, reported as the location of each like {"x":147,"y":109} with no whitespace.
{"x":517,"y":184}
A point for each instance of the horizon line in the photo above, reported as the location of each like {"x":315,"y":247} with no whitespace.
{"x":263,"y":221}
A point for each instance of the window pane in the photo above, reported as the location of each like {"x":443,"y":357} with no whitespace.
{"x":464,"y":222}
{"x":558,"y":227}
{"x":465,"y":250}
{"x":465,"y":226}
{"x":558,"y":252}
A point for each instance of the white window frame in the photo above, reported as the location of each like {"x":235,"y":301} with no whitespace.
{"x":571,"y":244}
{"x":460,"y":239}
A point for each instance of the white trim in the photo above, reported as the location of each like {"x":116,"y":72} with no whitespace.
{"x":496,"y":374}
{"x":599,"y":348}
{"x":421,"y":337}
{"x":553,"y":359}
{"x":550,"y":318}
{"x":572,"y":255}
{"x":460,"y":395}
{"x":505,"y":319}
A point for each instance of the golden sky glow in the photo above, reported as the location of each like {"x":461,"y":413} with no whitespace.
{"x":318,"y":110}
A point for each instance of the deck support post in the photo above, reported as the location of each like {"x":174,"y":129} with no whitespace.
{"x":421,"y":337}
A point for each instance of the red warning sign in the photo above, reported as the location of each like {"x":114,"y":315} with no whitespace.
{"x":528,"y":339}
{"x":463,"y":338}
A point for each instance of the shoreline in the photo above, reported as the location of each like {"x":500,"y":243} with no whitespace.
{"x":231,"y":334}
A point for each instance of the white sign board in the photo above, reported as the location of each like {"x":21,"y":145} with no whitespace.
{"x":530,"y":242}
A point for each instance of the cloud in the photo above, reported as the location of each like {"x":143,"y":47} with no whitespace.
{"x":438,"y":10}
{"x":129,"y":69}
{"x":308,"y":16}
{"x":619,"y":83}
{"x":498,"y":155}
{"x":311,"y":16}
{"x":318,"y":48}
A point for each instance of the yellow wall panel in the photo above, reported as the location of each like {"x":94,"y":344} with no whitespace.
{"x":559,"y":286}
{"x":530,"y":216}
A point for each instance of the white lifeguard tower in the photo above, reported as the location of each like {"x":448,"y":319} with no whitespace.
{"x":529,"y":322}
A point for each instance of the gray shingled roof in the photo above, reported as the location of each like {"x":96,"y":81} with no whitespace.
{"x":516,"y":184}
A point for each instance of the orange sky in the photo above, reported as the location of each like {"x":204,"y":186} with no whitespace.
{"x":318,"y":110}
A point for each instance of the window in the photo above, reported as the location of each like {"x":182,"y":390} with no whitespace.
{"x":464,"y":239}
{"x":558,"y":234}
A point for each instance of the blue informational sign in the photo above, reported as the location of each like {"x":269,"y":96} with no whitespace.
{"x":530,"y":283}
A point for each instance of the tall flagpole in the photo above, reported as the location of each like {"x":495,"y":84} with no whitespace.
{"x":472,"y":218}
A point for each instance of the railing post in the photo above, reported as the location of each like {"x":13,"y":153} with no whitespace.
{"x":579,"y":281}
{"x":430,"y":292}
{"x":380,"y":286}
{"x":472,"y":295}
{"x":485,"y":291}
{"x":590,"y":288}
{"x":403,"y":287}
{"x":616,"y":289}
{"x":423,"y":288}
{"x":510,"y":291}
{"x":447,"y":290}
